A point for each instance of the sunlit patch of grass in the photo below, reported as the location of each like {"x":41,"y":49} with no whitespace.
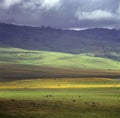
{"x":62,"y":83}
{"x":61,"y":86}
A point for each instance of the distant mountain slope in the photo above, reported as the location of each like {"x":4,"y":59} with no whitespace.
{"x":99,"y":42}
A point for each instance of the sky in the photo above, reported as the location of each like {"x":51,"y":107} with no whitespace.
{"x":61,"y":13}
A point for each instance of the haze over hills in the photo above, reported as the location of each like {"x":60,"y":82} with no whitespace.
{"x":98,"y":41}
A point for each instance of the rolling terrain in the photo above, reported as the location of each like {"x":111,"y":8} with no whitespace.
{"x":55,"y":73}
{"x":56,"y":59}
{"x":28,"y":64}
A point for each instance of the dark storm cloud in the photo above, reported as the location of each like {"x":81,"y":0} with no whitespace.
{"x":61,"y":13}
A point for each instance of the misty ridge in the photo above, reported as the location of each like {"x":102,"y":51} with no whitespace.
{"x":101,"y":42}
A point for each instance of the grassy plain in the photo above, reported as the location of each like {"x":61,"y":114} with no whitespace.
{"x":60,"y":98}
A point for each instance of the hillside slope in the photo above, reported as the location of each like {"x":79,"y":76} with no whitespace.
{"x":56,"y":59}
{"x":28,"y":64}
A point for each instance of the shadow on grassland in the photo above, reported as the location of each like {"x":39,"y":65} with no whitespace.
{"x":16,"y":72}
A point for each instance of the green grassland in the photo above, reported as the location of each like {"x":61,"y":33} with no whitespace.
{"x":28,"y":64}
{"x":69,"y":102}
{"x":41,"y":84}
{"x":56,"y":59}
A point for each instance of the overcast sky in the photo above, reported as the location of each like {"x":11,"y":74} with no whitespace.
{"x":61,"y":13}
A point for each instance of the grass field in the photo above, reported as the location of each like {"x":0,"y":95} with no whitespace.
{"x":56,"y":59}
{"x":61,"y":83}
{"x":60,"y":98}
{"x":41,"y":84}
{"x":27,"y":64}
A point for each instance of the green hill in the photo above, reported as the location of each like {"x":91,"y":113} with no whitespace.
{"x":28,"y":64}
{"x":56,"y":59}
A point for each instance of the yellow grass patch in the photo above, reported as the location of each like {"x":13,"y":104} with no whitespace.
{"x":62,"y":83}
{"x":63,"y":86}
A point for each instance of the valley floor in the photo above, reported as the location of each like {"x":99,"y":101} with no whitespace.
{"x":44,"y":101}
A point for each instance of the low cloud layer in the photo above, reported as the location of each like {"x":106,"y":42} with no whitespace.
{"x":94,"y":15}
{"x":61,"y":13}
